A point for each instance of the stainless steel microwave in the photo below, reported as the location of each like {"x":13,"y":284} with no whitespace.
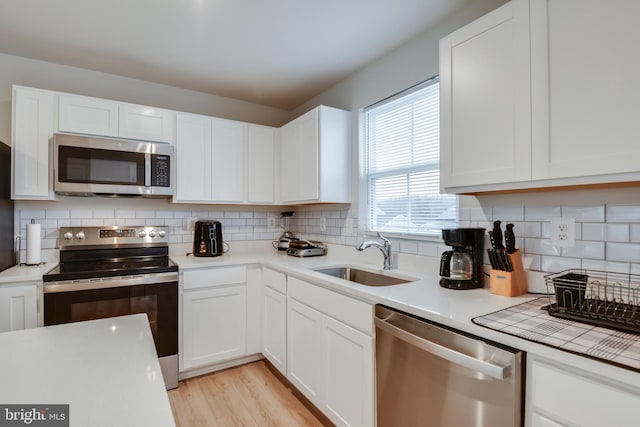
{"x":96,"y":166}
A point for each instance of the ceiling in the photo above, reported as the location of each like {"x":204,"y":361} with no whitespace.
{"x":278,"y":53}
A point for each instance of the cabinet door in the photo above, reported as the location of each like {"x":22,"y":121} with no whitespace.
{"x":274,"y":328}
{"x":81,"y":114}
{"x":146,"y":123}
{"x":485,"y":97}
{"x":585,"y":88}
{"x":214,"y":325}
{"x":260,"y":164}
{"x":228,"y":161}
{"x":32,"y":129}
{"x":348,"y":374}
{"x":299,"y":159}
{"x":18,"y":307}
{"x":304,"y":350}
{"x":558,"y":394}
{"x":193,"y":158}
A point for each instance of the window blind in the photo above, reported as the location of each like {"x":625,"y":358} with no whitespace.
{"x":402,"y":164}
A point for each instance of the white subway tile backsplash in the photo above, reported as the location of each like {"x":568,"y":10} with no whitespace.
{"x":540,"y":247}
{"x":508,"y":214}
{"x":57,"y":213}
{"x":80,"y":213}
{"x":557,"y":264}
{"x":594,"y":231}
{"x":480,"y":214}
{"x":584,"y":213}
{"x":614,"y":267}
{"x":623,"y":252}
{"x":617,"y":233}
{"x":585,"y":249}
{"x":541,"y":213}
{"x":530,"y":229}
{"x":607,"y":237}
{"x":623,"y":213}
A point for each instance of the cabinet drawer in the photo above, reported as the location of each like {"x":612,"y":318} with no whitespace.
{"x":193,"y":279}
{"x":350,"y":311}
{"x":275,"y":280}
{"x":578,"y":398}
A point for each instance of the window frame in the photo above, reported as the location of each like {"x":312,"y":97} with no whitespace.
{"x":365,"y":227}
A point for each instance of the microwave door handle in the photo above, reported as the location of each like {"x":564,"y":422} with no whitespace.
{"x":147,"y":169}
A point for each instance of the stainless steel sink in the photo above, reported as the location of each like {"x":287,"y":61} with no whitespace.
{"x":362,"y":277}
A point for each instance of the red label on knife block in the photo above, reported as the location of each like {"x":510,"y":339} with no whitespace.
{"x":509,"y":283}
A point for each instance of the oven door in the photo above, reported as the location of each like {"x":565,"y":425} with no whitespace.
{"x":158,"y":300}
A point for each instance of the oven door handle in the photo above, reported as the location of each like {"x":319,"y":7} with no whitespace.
{"x":109,"y":282}
{"x":499,"y":372}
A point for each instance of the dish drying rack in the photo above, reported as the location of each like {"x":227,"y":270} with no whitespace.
{"x":610,"y":300}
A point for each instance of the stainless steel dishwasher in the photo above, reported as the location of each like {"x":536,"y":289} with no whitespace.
{"x":427,"y":375}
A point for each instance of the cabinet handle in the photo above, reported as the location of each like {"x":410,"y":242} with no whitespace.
{"x":487,"y":368}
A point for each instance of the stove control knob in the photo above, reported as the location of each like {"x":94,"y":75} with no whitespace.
{"x":162,"y":233}
{"x":152,"y":233}
{"x":68,"y":235}
{"x":142,"y":233}
{"x":80,"y":235}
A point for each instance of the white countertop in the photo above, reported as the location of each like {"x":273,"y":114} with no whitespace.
{"x":107,"y":371}
{"x":29,"y":273}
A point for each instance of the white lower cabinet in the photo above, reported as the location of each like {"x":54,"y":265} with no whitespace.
{"x":274,"y":319}
{"x":560,"y":395}
{"x":18,"y":306}
{"x":348,"y":379}
{"x":330,"y":352}
{"x":304,"y":348}
{"x":214,"y":316}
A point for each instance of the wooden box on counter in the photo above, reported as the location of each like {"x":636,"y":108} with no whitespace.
{"x":509,"y":283}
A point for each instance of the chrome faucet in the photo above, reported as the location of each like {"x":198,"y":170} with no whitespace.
{"x":385,"y":248}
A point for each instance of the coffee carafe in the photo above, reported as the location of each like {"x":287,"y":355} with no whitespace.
{"x":461,"y":268}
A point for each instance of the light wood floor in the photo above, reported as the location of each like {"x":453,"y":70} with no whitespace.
{"x":248,"y":395}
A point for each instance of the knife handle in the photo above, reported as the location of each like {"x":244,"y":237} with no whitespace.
{"x":510,"y":239}
{"x":497,"y":234}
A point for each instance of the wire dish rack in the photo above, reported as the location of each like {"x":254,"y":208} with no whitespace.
{"x":611,"y":300}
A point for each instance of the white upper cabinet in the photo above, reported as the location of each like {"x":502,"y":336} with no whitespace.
{"x":193,"y":158}
{"x":260,"y":164}
{"x":33,"y":124}
{"x":485,"y":111}
{"x":94,"y":116}
{"x":315,"y":157}
{"x":223,"y":161}
{"x":82,"y":114}
{"x":227,"y":161}
{"x":566,"y":117}
{"x":146,"y":123}
{"x":585,"y":89}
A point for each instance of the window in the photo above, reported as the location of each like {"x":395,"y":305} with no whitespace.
{"x":402,"y":164}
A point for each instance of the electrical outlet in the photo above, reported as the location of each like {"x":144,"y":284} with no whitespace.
{"x":323,"y":224}
{"x":563,"y":232}
{"x":271,"y":223}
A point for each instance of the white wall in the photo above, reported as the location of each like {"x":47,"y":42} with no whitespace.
{"x":47,"y":75}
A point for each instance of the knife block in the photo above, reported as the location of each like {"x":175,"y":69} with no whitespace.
{"x":509,"y":283}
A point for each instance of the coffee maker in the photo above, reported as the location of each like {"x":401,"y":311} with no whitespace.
{"x":461,"y":268}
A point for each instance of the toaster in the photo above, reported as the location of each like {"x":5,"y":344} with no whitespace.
{"x":207,"y":239}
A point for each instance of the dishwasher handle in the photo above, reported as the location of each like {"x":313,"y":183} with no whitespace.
{"x":485,"y":367}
